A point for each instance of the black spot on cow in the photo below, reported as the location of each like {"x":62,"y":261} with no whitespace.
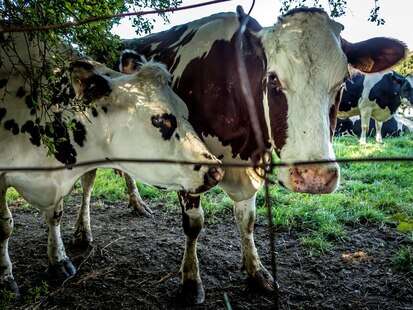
{"x":30,"y":102}
{"x":94,"y":112}
{"x":166,"y":124}
{"x":387,"y":91}
{"x":177,"y":136}
{"x":3,"y":83}
{"x":20,"y":92}
{"x":3,"y":112}
{"x":352,"y":93}
{"x":12,"y":126}
{"x":58,"y":132}
{"x":34,"y":131}
{"x":79,"y":132}
{"x":104,"y":109}
{"x":95,"y":88}
{"x":197,"y":167}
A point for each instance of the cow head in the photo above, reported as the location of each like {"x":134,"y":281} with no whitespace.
{"x":145,"y":119}
{"x":307,"y":63}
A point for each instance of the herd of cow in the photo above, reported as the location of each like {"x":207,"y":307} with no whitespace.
{"x":187,"y":104}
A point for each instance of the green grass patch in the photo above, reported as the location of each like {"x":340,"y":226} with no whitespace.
{"x":369,"y":193}
{"x":403,"y":259}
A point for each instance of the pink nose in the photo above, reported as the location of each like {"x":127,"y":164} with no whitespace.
{"x":314,"y":179}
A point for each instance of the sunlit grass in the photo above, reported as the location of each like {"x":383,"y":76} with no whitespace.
{"x":369,"y":193}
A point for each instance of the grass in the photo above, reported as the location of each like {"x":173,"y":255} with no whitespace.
{"x":369,"y":193}
{"x":403,"y":259}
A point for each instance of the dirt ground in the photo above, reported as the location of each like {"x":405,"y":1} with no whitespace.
{"x":134,"y":264}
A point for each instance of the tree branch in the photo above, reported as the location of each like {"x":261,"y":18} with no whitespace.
{"x":105,"y":17}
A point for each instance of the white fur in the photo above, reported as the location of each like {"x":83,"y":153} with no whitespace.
{"x":124,"y":131}
{"x":367,"y":108}
{"x":296,"y":49}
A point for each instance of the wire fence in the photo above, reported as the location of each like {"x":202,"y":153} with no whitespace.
{"x":264,"y":166}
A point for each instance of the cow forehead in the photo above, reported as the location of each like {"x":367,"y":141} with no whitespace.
{"x":305,"y":46}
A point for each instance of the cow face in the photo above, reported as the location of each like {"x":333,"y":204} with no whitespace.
{"x":146,"y":119}
{"x":307,"y":63}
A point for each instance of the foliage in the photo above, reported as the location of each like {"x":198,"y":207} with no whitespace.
{"x":41,"y":58}
{"x":406,"y":66}
{"x":403,"y":259}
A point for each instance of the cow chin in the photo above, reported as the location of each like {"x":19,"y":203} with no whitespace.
{"x":315,"y":179}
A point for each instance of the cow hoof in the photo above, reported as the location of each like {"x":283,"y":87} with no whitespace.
{"x":191,"y":293}
{"x":82,"y":239}
{"x":10,"y":286}
{"x":262,"y":282}
{"x":141,"y":209}
{"x":62,"y":270}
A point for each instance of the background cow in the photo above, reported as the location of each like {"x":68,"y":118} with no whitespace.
{"x":133,"y":116}
{"x":393,"y":127}
{"x":295,"y":70}
{"x":378,"y":96}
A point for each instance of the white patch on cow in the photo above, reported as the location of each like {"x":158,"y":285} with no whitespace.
{"x":305,"y":52}
{"x":206,"y":35}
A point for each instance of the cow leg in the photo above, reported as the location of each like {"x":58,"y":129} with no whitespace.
{"x":60,"y":265}
{"x":365,"y":115}
{"x":7,"y":281}
{"x":258,"y":277}
{"x":83,"y":232}
{"x":379,"y":138}
{"x":192,"y":221}
{"x":135,"y":200}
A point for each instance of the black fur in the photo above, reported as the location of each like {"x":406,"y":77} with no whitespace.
{"x":12,"y":126}
{"x":79,"y":132}
{"x":352,"y":93}
{"x":3,"y":112}
{"x":34,"y":131}
{"x":386,"y":92}
{"x":20,"y":92}
{"x":3,"y":82}
{"x":166,"y":123}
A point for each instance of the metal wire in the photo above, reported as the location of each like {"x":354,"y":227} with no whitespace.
{"x":108,"y":161}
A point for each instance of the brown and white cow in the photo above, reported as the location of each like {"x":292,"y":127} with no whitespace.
{"x":138,"y":115}
{"x":296,"y":71}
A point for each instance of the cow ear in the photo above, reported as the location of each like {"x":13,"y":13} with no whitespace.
{"x":374,"y":55}
{"x":88,"y":84}
{"x":130,"y":62}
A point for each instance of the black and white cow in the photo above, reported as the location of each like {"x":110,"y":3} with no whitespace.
{"x":133,"y":116}
{"x":393,"y":127}
{"x":376,"y":95}
{"x":296,"y":70}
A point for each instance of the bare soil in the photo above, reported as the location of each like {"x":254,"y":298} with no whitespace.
{"x":134,"y":264}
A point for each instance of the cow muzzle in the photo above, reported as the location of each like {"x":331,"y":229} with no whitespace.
{"x":314,"y":179}
{"x":212,"y":177}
